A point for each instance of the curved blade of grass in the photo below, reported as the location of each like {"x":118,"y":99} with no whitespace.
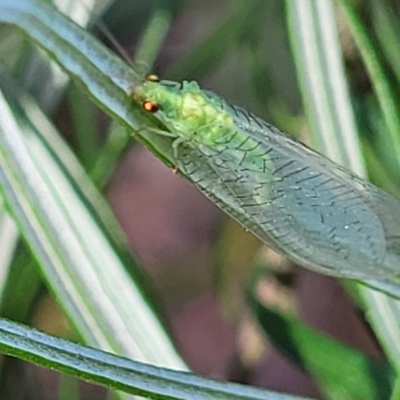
{"x":97,"y":206}
{"x":380,"y":82}
{"x":118,"y":141}
{"x":120,"y":373}
{"x":8,"y":243}
{"x":386,"y":27}
{"x":46,"y":79}
{"x":22,"y":286}
{"x":75,"y":256}
{"x":306,"y":25}
{"x":105,"y":77}
{"x":51,"y":139}
{"x":323,"y":84}
{"x":20,"y":279}
{"x":152,"y":38}
{"x":396,"y":390}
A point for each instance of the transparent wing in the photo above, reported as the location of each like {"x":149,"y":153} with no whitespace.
{"x":365,"y":219}
{"x":317,"y":213}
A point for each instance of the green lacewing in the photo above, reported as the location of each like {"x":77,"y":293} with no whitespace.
{"x":298,"y":202}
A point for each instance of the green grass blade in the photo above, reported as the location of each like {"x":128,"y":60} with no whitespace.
{"x":105,"y":77}
{"x":382,"y":311}
{"x":120,"y":373}
{"x":8,"y":243}
{"x":396,"y":390}
{"x":83,"y":115}
{"x":385,"y":24}
{"x":21,"y":287}
{"x":323,"y":84}
{"x":151,"y":39}
{"x":76,"y":258}
{"x":377,"y":74}
{"x":52,"y":140}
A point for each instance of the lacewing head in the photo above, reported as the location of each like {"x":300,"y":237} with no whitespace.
{"x":185,"y":109}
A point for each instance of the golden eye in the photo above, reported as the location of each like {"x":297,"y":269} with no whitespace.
{"x":150,"y":106}
{"x":152,"y":78}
